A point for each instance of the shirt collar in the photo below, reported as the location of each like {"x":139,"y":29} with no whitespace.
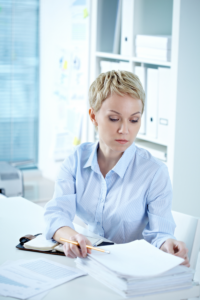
{"x":92,"y":160}
{"x":119,"y":168}
{"x":123,"y":162}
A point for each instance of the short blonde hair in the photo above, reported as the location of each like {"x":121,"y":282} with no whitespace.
{"x":119,"y":82}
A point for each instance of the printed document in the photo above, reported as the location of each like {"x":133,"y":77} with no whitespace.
{"x":25,"y":279}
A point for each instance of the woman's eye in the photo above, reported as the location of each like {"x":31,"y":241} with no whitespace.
{"x":113,"y":120}
{"x":134,"y":121}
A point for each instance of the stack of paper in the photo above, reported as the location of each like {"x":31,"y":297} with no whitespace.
{"x":153,"y":47}
{"x":137,"y":269}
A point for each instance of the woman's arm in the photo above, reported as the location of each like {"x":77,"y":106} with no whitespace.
{"x":61,"y":210}
{"x":160,"y":228}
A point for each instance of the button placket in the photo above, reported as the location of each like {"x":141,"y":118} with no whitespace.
{"x":101,"y":203}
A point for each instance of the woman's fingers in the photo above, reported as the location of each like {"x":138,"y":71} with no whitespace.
{"x":89,"y":251}
{"x":186,"y":262}
{"x":182,"y":251}
{"x":176,"y":248}
{"x":180,"y":248}
{"x":68,"y":251}
{"x":72,"y":255}
{"x":74,"y":251}
{"x":82,"y":244}
{"x":83,"y":241}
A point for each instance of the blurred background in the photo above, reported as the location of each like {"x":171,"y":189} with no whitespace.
{"x":50,"y":53}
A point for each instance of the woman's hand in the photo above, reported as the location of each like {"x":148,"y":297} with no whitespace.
{"x":176,"y":248}
{"x":74,"y":251}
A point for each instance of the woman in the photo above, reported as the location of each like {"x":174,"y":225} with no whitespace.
{"x":118,"y":189}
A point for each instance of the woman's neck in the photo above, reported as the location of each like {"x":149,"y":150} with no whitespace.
{"x":107,"y":159}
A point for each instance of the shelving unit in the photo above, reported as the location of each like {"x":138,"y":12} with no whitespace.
{"x":132,"y":59}
{"x":179,"y":19}
{"x":139,"y":25}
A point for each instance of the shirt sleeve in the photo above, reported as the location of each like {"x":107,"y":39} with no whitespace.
{"x":161,"y":225}
{"x":61,"y":210}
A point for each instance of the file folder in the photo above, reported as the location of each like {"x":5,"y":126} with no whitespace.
{"x":164,"y":88}
{"x":152,"y":103}
{"x":141,"y":73}
{"x":126,"y":33}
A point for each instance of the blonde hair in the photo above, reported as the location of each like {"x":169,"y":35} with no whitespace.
{"x":119,"y":82}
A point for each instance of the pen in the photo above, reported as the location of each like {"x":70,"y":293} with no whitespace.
{"x":87,"y":246}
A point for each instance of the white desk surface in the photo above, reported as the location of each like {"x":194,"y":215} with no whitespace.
{"x":18,"y":217}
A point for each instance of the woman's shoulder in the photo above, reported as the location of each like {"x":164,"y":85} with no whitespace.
{"x":77,"y":157}
{"x":80,"y":152}
{"x":84,"y":148}
{"x":145,"y":157}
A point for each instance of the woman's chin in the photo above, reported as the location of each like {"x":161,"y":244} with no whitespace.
{"x":120,"y":147}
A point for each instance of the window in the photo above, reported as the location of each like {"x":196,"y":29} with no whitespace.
{"x":19,"y":78}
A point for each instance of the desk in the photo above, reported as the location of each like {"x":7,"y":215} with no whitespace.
{"x":18,"y":217}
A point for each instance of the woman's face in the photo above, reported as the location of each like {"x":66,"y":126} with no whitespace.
{"x":118,"y":121}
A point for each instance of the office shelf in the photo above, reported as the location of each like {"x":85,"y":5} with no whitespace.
{"x":133,"y":59}
{"x":113,"y":56}
{"x":151,"y":62}
{"x":152,"y":140}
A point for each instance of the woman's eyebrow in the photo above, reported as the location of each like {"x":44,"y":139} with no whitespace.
{"x":138,"y":112}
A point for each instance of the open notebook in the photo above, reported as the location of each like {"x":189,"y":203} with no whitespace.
{"x":40,"y":243}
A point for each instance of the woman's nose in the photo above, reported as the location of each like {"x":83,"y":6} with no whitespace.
{"x":123,"y":128}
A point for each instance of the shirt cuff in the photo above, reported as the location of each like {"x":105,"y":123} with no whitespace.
{"x":49,"y":233}
{"x":158,"y":242}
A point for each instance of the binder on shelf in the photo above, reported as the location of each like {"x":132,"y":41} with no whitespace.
{"x":126,"y":33}
{"x":152,"y":103}
{"x":116,"y":42}
{"x":153,"y":41}
{"x":141,"y":73}
{"x":164,"y":88}
{"x":153,"y":53}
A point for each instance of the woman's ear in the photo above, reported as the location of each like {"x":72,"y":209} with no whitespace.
{"x":92,"y":115}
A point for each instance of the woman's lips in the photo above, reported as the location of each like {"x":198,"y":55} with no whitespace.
{"x":122,"y":141}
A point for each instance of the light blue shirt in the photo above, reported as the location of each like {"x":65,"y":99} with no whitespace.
{"x":132,"y":202}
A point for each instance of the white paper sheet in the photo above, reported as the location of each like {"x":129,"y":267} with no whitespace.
{"x":25,"y":279}
{"x":137,"y":259}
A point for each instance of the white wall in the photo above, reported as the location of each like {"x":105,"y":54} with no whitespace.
{"x":54,"y":28}
{"x":184,"y":146}
{"x":55,"y":34}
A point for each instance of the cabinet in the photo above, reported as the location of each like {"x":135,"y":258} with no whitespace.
{"x":180,"y":19}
